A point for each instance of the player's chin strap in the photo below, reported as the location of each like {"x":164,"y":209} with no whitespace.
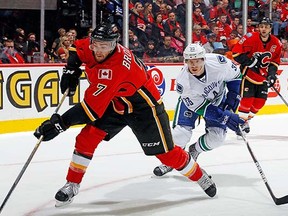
{"x":277,"y":201}
{"x":280,"y":95}
{"x":31,"y":156}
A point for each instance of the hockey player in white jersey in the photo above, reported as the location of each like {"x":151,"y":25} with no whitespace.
{"x":209,"y":86}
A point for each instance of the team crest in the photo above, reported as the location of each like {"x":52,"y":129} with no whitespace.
{"x":221,"y":59}
{"x":179,"y":88}
{"x":158,"y":78}
{"x":105,"y":74}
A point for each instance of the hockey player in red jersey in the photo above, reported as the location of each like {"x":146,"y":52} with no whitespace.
{"x":258,"y":54}
{"x":120,"y":94}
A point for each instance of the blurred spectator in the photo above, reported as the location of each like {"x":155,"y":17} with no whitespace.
{"x":223,"y":40}
{"x":48,"y":56}
{"x":164,"y":10}
{"x":198,"y":19}
{"x":198,"y":36}
{"x":234,"y":13}
{"x":32,"y":46}
{"x":284,"y":19}
{"x":209,"y":47}
{"x":225,"y":9}
{"x":63,"y":50}
{"x":200,"y":4}
{"x":168,"y":53}
{"x":151,"y":53}
{"x":178,"y":40}
{"x":250,"y":27}
{"x":74,"y":33}
{"x":56,"y":42}
{"x":158,"y":30}
{"x":276,"y":15}
{"x":229,"y":53}
{"x":149,"y":17}
{"x":135,"y":45}
{"x":234,"y":35}
{"x":137,"y":17}
{"x":9,"y":55}
{"x":219,"y":48}
{"x":181,"y":15}
{"x":89,"y":32}
{"x":170,"y":24}
{"x":3,"y":39}
{"x":110,"y":11}
{"x":215,"y":12}
{"x":284,"y":51}
{"x":224,"y":28}
{"x":156,"y":6}
{"x":240,"y":31}
{"x":20,"y":42}
{"x":70,"y":37}
{"x":215,"y":30}
{"x":137,"y":22}
{"x":148,"y":14}
{"x":234,"y":23}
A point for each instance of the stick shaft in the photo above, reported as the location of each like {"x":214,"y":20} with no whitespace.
{"x":282,"y":98}
{"x":30,"y":157}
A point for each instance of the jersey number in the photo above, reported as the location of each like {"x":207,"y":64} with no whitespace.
{"x":188,"y":101}
{"x":100,"y":87}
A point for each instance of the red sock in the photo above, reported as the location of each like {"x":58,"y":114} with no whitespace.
{"x":197,"y":174}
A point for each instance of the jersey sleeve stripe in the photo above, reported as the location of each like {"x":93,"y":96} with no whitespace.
{"x":87,"y":111}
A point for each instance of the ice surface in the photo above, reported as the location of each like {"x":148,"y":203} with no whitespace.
{"x":119,"y":180}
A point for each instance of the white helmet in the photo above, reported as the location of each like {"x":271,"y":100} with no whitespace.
{"x":194,"y":51}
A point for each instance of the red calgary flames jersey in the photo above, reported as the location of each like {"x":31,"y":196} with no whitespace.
{"x":270,"y":50}
{"x":118,"y":80}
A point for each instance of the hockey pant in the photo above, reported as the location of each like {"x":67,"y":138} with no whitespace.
{"x":253,"y":99}
{"x":184,"y":123}
{"x":112,"y":123}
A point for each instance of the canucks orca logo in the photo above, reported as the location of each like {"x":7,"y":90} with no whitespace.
{"x":157,"y":77}
{"x":179,"y":88}
{"x":221,"y":59}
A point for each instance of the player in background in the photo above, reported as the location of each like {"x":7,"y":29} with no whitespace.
{"x":209,"y":86}
{"x":120,"y":94}
{"x":258,"y":54}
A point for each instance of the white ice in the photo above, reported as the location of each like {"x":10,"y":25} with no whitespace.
{"x":119,"y":180}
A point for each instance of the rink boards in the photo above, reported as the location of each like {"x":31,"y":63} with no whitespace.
{"x":30,"y":93}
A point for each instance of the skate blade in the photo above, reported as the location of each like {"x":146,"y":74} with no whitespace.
{"x":60,"y":204}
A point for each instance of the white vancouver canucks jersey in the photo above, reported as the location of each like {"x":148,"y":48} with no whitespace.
{"x":198,"y":94}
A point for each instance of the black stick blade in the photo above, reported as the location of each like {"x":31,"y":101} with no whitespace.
{"x":281,"y":200}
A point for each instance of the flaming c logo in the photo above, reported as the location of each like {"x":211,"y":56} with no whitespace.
{"x":157,"y":77}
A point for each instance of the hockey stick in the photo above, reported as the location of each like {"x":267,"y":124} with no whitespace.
{"x":30,"y":157}
{"x":277,"y":201}
{"x":280,"y":95}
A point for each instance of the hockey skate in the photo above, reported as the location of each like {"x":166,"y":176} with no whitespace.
{"x":207,"y":184}
{"x":162,"y":170}
{"x":65,"y":195}
{"x":193,"y":152}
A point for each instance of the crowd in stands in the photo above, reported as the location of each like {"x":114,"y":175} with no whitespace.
{"x":157,"y":29}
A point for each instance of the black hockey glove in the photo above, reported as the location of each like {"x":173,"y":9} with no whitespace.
{"x":270,"y":80}
{"x":232,"y":101}
{"x":50,"y":128}
{"x":255,"y":62}
{"x":70,"y":79}
{"x":231,"y":120}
